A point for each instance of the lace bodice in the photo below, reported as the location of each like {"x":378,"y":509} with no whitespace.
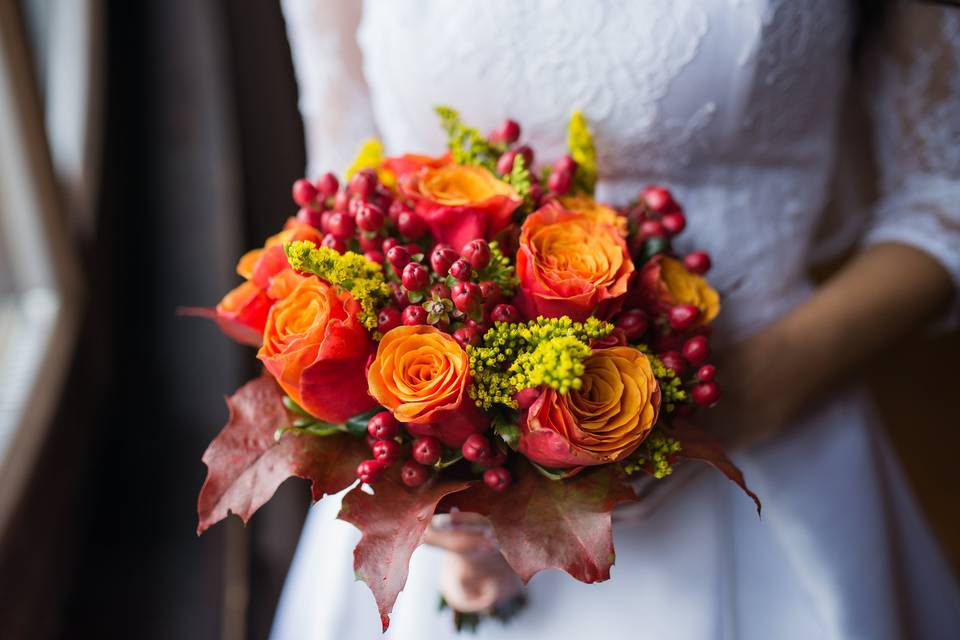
{"x":733,"y":104}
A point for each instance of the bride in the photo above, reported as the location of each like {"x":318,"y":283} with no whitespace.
{"x":736,"y":106}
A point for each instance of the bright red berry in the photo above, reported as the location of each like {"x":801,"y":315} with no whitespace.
{"x":383,"y":426}
{"x":683,"y":316}
{"x":363,"y":183}
{"x":497,"y":479}
{"x":674,"y":361}
{"x":374,"y":256}
{"x":461,"y":269}
{"x":304,"y":193}
{"x":328,"y":184}
{"x":476,"y":447}
{"x":399,"y":258}
{"x":658,"y":199}
{"x":427,"y":450}
{"x":342,"y":225}
{"x":370,"y":243}
{"x":508,"y":132}
{"x":527,"y":154}
{"x":697,"y":262}
{"x":505,"y":162}
{"x":311,"y":216}
{"x":413,"y":474}
{"x":674,"y":222}
{"x":370,"y":217}
{"x":414,"y":315}
{"x":411,"y":226}
{"x":706,"y":394}
{"x":440,"y":290}
{"x":560,"y":182}
{"x":389,"y":243}
{"x":466,"y":336}
{"x":633,"y":323}
{"x":651,"y":229}
{"x":415,"y":276}
{"x":333,"y":242}
{"x":387,"y":450}
{"x":490,"y":291}
{"x":478,"y":253}
{"x":370,"y":470}
{"x":505,"y":313}
{"x":341,"y":201}
{"x":396,"y":208}
{"x":565,"y":163}
{"x":706,"y":373}
{"x":400,"y":295}
{"x":696,"y":350}
{"x":442,"y":258}
{"x":388,"y":318}
{"x":466,"y":296}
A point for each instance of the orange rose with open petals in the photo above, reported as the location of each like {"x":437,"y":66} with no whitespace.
{"x":316,"y":348}
{"x":596,"y":211}
{"x":570,"y":265}
{"x":409,"y":163}
{"x":664,"y":282}
{"x":421,"y":374}
{"x":603,"y":421}
{"x":461,"y":203}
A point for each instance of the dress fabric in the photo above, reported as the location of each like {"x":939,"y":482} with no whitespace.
{"x":734,"y":105}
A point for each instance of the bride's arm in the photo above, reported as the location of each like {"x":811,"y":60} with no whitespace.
{"x":907,"y":274}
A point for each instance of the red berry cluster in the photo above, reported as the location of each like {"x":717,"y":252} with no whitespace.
{"x":561,"y":176}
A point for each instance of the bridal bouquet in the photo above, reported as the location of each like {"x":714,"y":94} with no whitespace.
{"x":464,"y":332}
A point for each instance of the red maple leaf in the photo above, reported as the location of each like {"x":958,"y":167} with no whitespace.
{"x":246,"y":464}
{"x":392,"y":521}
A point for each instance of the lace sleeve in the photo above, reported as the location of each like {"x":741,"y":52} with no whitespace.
{"x":334,"y":102}
{"x":914,"y":101}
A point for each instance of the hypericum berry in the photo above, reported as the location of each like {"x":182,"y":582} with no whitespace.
{"x":414,"y":315}
{"x":370,"y":440}
{"x":466,"y":336}
{"x":565,"y":164}
{"x":490,"y":291}
{"x":674,"y":222}
{"x":413,"y":474}
{"x":633,"y":323}
{"x":325,"y":221}
{"x":383,"y":426}
{"x":374,"y":256}
{"x":497,"y":479}
{"x":342,"y":225}
{"x":388,"y":318}
{"x":411,"y":226}
{"x":527,"y":154}
{"x":476,"y":447}
{"x":304,"y":193}
{"x":387,"y":450}
{"x":697,"y":262}
{"x":674,"y":361}
{"x":401,"y":296}
{"x":505,"y":162}
{"x":683,"y":316}
{"x":370,"y":217}
{"x":328,"y":184}
{"x":427,"y":450}
{"x":341,"y":201}
{"x":508,"y":132}
{"x":369,"y":243}
{"x":396,"y":208}
{"x":478,"y":253}
{"x":706,"y":394}
{"x":370,"y":470}
{"x":466,"y":296}
{"x":461,"y":269}
{"x":651,"y":229}
{"x":526,"y":397}
{"x":389,"y":243}
{"x":440,"y":290}
{"x":560,"y":182}
{"x":415,"y":276}
{"x":441,"y":259}
{"x":333,"y":242}
{"x":706,"y":373}
{"x":696,"y":350}
{"x":658,"y":199}
{"x":311,"y":216}
{"x":399,"y":257}
{"x":505,"y":313}
{"x":363,"y":183}
{"x":536,"y":193}
{"x":496,"y":459}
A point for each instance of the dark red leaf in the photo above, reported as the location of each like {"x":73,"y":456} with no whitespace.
{"x":245,"y":464}
{"x":392,"y":522}
{"x":698,"y":444}
{"x":232,"y":328}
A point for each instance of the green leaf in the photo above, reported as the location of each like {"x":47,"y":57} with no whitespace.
{"x":293,"y":407}
{"x":554,"y":474}
{"x":415,"y":296}
{"x":505,"y":425}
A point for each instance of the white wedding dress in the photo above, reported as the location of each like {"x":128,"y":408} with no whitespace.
{"x":734,"y":105}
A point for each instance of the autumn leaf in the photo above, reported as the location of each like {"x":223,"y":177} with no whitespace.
{"x":233,"y":329}
{"x":246,"y":463}
{"x":698,"y":444}
{"x":392,"y":522}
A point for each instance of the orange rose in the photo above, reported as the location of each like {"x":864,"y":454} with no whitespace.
{"x":664,"y":282}
{"x":603,"y":421}
{"x":409,"y":163}
{"x":599,"y":213}
{"x":421,"y":375}
{"x":316,"y":348}
{"x":570,"y":265}
{"x":461,"y":203}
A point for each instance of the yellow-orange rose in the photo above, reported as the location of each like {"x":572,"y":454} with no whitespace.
{"x":570,"y":265}
{"x":421,"y":374}
{"x":461,"y":203}
{"x":604,"y":421}
{"x":316,"y":348}
{"x":596,"y":211}
{"x":664,"y":282}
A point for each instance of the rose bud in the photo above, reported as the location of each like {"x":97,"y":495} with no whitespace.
{"x":466,"y":336}
{"x":310,"y":216}
{"x":697,"y":262}
{"x":411,"y":225}
{"x":505,"y":162}
{"x":374,"y":256}
{"x":508,"y":132}
{"x":370,"y":217}
{"x":363,"y":183}
{"x":674,"y":222}
{"x":466,"y":296}
{"x":341,"y":201}
{"x":633,"y":323}
{"x":388,"y":318}
{"x":696,"y":350}
{"x":413,"y":475}
{"x":478,"y":253}
{"x":476,"y":447}
{"x":427,"y":450}
{"x":414,"y":315}
{"x":415,"y":276}
{"x":706,"y":373}
{"x":658,"y":199}
{"x":526,"y":397}
{"x":683,"y":316}
{"x":461,"y":270}
{"x":333,"y":242}
{"x":387,"y":450}
{"x":706,"y":394}
{"x":505,"y":313}
{"x":399,"y":258}
{"x":304,"y":193}
{"x":328,"y":184}
{"x":442,"y":258}
{"x":383,"y":426}
{"x":497,"y":479}
{"x":369,"y":470}
{"x":673,"y":361}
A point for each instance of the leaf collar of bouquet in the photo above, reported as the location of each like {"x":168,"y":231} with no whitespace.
{"x":470,"y":330}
